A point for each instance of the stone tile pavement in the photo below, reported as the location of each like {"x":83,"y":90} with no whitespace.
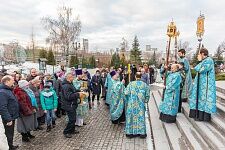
{"x":98,"y":134}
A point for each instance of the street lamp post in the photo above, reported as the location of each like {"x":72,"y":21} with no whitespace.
{"x":2,"y":63}
{"x":42,"y":64}
{"x":97,"y":62}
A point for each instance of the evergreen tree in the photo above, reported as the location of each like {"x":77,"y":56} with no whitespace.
{"x":123,"y":60}
{"x":51,"y":58}
{"x":218,"y":54}
{"x":135,"y":53}
{"x":153,"y":60}
{"x":92,"y":61}
{"x":194,"y":60}
{"x":43,"y":53}
{"x":74,"y":61}
{"x":84,"y":62}
{"x":115,"y":61}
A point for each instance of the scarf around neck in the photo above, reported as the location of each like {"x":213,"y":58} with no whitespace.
{"x":32,"y":96}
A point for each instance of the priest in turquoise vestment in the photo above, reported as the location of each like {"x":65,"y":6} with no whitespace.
{"x":169,"y":105}
{"x":108,"y":85}
{"x":186,"y":90}
{"x":82,"y":109}
{"x":202,"y":100}
{"x":117,"y":111}
{"x":137,"y":94}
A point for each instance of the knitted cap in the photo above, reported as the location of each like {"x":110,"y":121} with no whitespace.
{"x":23,"y":83}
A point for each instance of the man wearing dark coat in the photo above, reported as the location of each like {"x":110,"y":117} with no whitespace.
{"x":133,"y":72}
{"x":70,"y":103}
{"x":9,"y":109}
{"x":103,"y":79}
{"x":96,"y":86}
{"x":151,"y":74}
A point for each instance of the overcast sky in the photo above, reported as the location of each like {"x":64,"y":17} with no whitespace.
{"x":106,"y":22}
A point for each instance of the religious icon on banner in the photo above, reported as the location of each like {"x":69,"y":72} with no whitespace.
{"x":200,"y":25}
{"x":171,"y":29}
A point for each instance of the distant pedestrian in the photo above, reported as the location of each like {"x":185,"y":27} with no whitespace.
{"x":103,"y":79}
{"x":96,"y":87}
{"x":145,"y":76}
{"x":151,"y":74}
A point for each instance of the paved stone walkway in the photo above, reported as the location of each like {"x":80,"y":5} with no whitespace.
{"x":98,"y":134}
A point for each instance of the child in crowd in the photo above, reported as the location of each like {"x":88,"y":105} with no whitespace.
{"x":49,"y":103}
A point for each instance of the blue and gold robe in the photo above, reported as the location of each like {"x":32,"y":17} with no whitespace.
{"x":207,"y":87}
{"x":108,"y":85}
{"x":82,"y":109}
{"x":170,"y":102}
{"x":186,"y":91}
{"x":117,"y":99}
{"x":137,"y":94}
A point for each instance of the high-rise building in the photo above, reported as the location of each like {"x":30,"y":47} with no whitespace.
{"x":148,"y":47}
{"x":85,"y":45}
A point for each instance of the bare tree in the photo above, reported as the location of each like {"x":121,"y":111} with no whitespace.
{"x":63,"y":31}
{"x":186,"y":45}
{"x":124,"y":45}
{"x":220,"y":50}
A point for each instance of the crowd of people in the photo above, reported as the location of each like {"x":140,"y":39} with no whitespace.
{"x":30,"y":101}
{"x":39,"y":99}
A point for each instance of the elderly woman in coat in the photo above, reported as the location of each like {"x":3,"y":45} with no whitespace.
{"x":28,"y":120}
{"x":35,"y":87}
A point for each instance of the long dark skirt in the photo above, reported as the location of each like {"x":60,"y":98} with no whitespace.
{"x":202,"y":116}
{"x":27,"y":123}
{"x":167,"y":118}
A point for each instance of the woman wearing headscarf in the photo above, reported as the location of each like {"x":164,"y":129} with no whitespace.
{"x":35,"y":87}
{"x":27,"y":102}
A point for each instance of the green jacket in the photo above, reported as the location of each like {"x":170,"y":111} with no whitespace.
{"x":49,"y":99}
